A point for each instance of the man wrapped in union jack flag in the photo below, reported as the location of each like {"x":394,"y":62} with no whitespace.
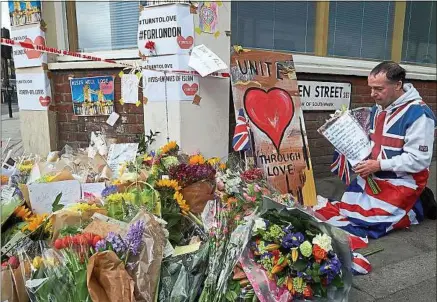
{"x":402,"y":136}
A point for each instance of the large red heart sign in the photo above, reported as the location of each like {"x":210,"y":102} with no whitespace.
{"x":270,"y":111}
{"x":44,"y":101}
{"x":185,"y":43}
{"x":32,"y":53}
{"x":190,"y":90}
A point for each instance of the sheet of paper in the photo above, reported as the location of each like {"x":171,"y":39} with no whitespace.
{"x":204,"y":61}
{"x":129,"y":88}
{"x":93,"y":188}
{"x":7,"y":193}
{"x":347,"y":136}
{"x":112,"y":119}
{"x":42,"y":195}
{"x":121,"y":153}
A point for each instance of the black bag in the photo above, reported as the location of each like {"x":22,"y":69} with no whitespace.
{"x":429,"y":204}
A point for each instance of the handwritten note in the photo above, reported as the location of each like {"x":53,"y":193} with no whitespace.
{"x":93,"y":188}
{"x":119,"y":154}
{"x":7,"y":193}
{"x":129,"y":88}
{"x":204,"y":61}
{"x":42,"y":195}
{"x":348,"y":137}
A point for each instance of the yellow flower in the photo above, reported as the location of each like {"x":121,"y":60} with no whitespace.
{"x":25,"y":168}
{"x":82,"y":207}
{"x":118,"y":197}
{"x":214,"y":161}
{"x":22,"y":212}
{"x":36,"y":262}
{"x":197,"y":159}
{"x":185,"y":208}
{"x":170,"y":146}
{"x":34,"y":222}
{"x":168,"y":183}
{"x":147,"y":157}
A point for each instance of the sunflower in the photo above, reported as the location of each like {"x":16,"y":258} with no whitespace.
{"x":34,"y":222}
{"x":185,"y":208}
{"x":213,"y":161}
{"x":197,"y":159}
{"x":168,"y":183}
{"x":170,"y":146}
{"x":23,"y":213}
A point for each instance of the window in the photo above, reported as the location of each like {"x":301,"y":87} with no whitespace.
{"x":361,"y":29}
{"x":107,"y":25}
{"x":419,"y":43}
{"x":283,"y":26}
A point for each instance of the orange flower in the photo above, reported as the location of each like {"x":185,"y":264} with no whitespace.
{"x":170,"y":146}
{"x":231,"y":201}
{"x":22,"y":212}
{"x":4,"y":179}
{"x":197,"y":159}
{"x":319,"y":253}
{"x":34,"y":222}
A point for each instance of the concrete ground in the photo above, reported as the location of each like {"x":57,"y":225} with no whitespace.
{"x":10,"y":128}
{"x":406,"y":269}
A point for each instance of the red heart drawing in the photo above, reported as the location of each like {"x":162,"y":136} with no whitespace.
{"x":190,"y":90}
{"x":185,"y":43}
{"x":45,"y":101}
{"x":270,"y":111}
{"x":32,"y":53}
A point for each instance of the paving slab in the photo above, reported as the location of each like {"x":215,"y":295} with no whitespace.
{"x":423,"y":292}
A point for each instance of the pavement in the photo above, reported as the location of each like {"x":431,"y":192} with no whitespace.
{"x":404,"y":271}
{"x":10,"y":128}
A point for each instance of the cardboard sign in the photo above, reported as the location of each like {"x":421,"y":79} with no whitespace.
{"x":42,"y":195}
{"x":93,"y":96}
{"x":264,"y":85}
{"x":204,"y":61}
{"x":180,"y":87}
{"x":326,"y":96}
{"x":348,"y":137}
{"x":92,"y":188}
{"x":33,"y":91}
{"x":170,"y":27}
{"x":24,"y":12}
{"x":29,"y":57}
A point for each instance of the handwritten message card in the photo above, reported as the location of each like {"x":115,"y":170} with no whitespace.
{"x":119,"y":154}
{"x":204,"y":61}
{"x":348,"y":137}
{"x":42,"y":195}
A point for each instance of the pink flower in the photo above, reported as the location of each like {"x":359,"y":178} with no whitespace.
{"x":257,"y":188}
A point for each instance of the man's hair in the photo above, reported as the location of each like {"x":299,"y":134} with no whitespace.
{"x":393,"y":71}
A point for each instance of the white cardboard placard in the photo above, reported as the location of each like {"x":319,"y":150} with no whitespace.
{"x":33,"y":91}
{"x":29,"y":57}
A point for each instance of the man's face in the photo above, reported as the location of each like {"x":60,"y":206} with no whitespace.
{"x":383,"y":91}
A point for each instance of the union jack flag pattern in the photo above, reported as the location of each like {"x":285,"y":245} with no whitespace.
{"x":341,"y":166}
{"x":241,"y":141}
{"x":398,"y":134}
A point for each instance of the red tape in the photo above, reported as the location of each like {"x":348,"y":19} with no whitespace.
{"x":61,"y":52}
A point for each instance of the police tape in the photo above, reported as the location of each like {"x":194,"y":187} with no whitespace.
{"x":43,"y":48}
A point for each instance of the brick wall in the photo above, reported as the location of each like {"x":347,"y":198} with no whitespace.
{"x":321,"y":150}
{"x":76,"y":130}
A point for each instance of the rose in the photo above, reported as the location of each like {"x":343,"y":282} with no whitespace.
{"x":319,"y":253}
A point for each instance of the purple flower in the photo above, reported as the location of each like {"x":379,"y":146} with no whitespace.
{"x":109,"y":190}
{"x":101,"y":245}
{"x":331,"y":268}
{"x":134,"y":237}
{"x":291,"y":240}
{"x":116,"y":242}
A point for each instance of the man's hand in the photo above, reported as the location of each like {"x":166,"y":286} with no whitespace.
{"x":367,"y":167}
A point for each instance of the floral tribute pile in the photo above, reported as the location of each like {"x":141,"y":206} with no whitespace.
{"x":169,"y":226}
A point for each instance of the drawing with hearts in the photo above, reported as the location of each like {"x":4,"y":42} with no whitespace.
{"x":270,"y":111}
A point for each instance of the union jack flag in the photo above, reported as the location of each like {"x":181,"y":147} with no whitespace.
{"x":341,"y":167}
{"x":240,"y":141}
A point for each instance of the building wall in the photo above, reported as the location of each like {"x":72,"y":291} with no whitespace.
{"x":76,"y":130}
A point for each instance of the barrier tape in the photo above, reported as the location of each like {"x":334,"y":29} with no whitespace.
{"x":43,"y":48}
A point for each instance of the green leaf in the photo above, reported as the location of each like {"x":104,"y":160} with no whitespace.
{"x":300,"y":265}
{"x":337,"y":282}
{"x":281,"y":260}
{"x":55,"y":205}
{"x":280,"y":281}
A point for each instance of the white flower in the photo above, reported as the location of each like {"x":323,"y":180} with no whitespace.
{"x":259,"y":224}
{"x":324,"y":241}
